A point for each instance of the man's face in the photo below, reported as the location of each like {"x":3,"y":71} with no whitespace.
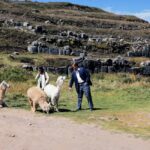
{"x":75,"y":67}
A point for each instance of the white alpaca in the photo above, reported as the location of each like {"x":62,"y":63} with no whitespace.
{"x":3,"y":87}
{"x":53,"y":92}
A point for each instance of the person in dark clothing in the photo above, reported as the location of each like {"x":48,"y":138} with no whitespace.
{"x":81,"y":77}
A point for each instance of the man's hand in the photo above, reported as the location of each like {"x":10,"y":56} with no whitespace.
{"x":70,"y":89}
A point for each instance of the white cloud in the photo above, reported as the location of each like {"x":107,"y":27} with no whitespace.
{"x":109,"y":8}
{"x":145,"y":14}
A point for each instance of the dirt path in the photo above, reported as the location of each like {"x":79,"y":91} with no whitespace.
{"x":23,"y":130}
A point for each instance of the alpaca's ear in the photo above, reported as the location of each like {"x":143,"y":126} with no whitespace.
{"x":4,"y":84}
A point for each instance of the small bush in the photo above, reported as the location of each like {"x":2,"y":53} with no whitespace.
{"x":17,"y":101}
{"x":147,"y":79}
{"x":26,"y":60}
{"x":123,"y":75}
{"x":100,"y":76}
{"x":58,"y":62}
{"x":14,"y":74}
{"x":127,"y":80}
{"x":21,"y":59}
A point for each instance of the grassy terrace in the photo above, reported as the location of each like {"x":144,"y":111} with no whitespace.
{"x":122,"y":101}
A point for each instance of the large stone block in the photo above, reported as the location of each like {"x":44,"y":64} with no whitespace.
{"x":32,"y":49}
{"x":104,"y":69}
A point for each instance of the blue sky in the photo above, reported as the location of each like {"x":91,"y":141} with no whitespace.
{"x":140,"y":8}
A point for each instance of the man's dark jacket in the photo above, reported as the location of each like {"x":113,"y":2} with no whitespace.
{"x":85,"y":76}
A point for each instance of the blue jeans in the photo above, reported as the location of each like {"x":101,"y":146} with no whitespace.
{"x":84,"y":88}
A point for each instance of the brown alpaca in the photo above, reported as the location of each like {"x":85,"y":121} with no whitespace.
{"x":3,"y":87}
{"x":37,"y":97}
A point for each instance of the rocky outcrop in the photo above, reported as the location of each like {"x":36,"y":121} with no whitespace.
{"x":64,"y":24}
{"x":140,"y":51}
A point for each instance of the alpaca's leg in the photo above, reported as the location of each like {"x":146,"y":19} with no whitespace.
{"x":49,"y":101}
{"x":53,"y":102}
{"x":1,"y":103}
{"x":56,"y":108}
{"x":31,"y":103}
{"x":56,"y":105}
{"x":36,"y":106}
{"x":4,"y":104}
{"x":33,"y":107}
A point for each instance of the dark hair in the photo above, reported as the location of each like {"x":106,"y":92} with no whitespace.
{"x":75,"y":65}
{"x":41,"y":70}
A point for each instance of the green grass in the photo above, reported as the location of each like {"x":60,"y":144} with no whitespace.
{"x":122,"y":101}
{"x":14,"y":74}
{"x":17,"y":101}
{"x":119,"y":106}
{"x":35,"y":59}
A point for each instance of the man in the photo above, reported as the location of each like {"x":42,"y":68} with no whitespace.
{"x":81,"y":77}
{"x":42,"y":78}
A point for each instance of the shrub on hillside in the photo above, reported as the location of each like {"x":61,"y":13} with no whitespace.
{"x":14,"y":74}
{"x":130,"y":78}
{"x":100,"y":76}
{"x":127,"y":80}
{"x":26,"y":60}
{"x":17,"y":100}
{"x":21,"y":59}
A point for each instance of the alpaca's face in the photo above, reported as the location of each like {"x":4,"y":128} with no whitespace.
{"x":4,"y":85}
{"x":47,"y":108}
{"x":60,"y":80}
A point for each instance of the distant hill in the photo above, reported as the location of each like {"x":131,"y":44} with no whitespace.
{"x":56,"y":18}
{"x":17,"y":1}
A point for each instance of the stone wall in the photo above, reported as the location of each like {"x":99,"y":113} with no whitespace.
{"x":140,"y":51}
